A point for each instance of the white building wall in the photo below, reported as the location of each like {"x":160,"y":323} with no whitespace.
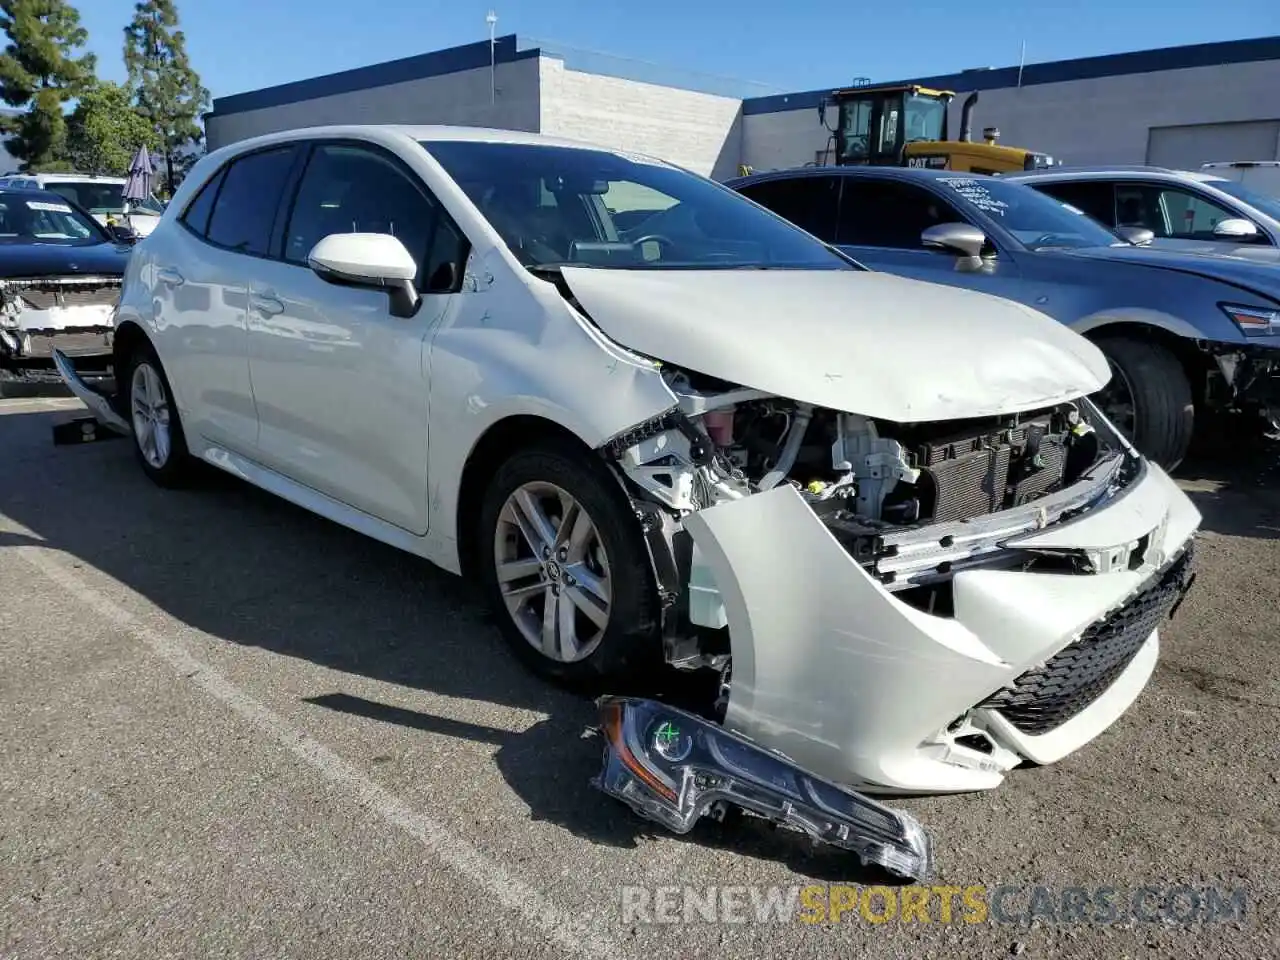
{"x":461,"y":98}
{"x":1103,"y":120}
{"x":776,"y":141}
{"x":701,"y":131}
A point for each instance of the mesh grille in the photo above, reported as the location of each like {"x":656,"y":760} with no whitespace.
{"x":1045,"y":698}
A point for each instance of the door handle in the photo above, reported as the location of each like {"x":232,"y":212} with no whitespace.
{"x":170,"y":276}
{"x":266,"y":304}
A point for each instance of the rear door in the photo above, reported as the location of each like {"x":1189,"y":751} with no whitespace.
{"x":199,"y":280}
{"x":811,"y":203}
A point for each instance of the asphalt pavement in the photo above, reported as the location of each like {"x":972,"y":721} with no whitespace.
{"x":229,"y":728}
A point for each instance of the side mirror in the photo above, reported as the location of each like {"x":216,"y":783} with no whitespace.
{"x":1235,"y":228}
{"x":1138,"y":236}
{"x":959,"y":238}
{"x":123,"y":233}
{"x":375,"y":260}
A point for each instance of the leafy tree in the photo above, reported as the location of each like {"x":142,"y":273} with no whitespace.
{"x":41,"y":70}
{"x":166,"y":89}
{"x":105,"y":131}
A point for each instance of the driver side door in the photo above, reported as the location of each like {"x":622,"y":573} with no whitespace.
{"x":880,"y":224}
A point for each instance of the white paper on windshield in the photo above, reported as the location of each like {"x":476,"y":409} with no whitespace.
{"x":975,"y":191}
{"x":46,"y":205}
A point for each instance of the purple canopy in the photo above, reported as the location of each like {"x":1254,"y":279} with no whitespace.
{"x":138,"y":187}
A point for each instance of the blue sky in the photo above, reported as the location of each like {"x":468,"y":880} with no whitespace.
{"x":240,"y":45}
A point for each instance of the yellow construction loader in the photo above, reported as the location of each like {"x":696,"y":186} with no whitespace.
{"x":905,"y":125}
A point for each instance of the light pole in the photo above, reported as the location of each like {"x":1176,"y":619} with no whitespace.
{"x":491,"y":19}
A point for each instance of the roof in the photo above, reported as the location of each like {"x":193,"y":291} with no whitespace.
{"x":859,"y":170}
{"x":1060,"y":71}
{"x":510,"y":49}
{"x":1120,"y":170}
{"x":427,"y":133}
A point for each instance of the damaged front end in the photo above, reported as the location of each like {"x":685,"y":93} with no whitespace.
{"x":72,"y":315}
{"x":906,"y":607}
{"x":673,"y":767}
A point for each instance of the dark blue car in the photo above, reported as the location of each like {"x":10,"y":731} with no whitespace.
{"x":1185,"y":334}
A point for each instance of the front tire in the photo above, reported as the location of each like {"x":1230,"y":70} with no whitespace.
{"x":158,"y":440}
{"x":564,"y":565}
{"x":1148,"y":399}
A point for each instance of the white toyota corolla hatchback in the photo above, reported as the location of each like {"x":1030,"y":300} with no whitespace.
{"x":658,"y":422}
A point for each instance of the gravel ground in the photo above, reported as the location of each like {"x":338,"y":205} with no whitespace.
{"x":233,"y":729}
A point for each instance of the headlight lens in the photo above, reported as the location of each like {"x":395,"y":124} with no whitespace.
{"x":1254,"y":321}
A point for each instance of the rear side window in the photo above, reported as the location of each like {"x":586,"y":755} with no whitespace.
{"x":1092,"y":197}
{"x":246,"y":205}
{"x":808,"y":202}
{"x":197,"y":215}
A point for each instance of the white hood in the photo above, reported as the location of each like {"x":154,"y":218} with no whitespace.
{"x":857,"y":341}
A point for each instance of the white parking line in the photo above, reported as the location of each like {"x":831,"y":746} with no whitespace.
{"x":579,"y":933}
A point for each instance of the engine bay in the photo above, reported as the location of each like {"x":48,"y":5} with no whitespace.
{"x":910,"y":503}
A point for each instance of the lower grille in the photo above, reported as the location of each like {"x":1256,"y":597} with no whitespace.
{"x":46,"y":294}
{"x":1045,"y":698}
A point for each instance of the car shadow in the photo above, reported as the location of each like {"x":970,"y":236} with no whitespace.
{"x":246,"y":567}
{"x":1234,"y":480}
{"x":551,"y":764}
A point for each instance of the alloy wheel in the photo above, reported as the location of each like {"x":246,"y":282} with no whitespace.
{"x":553,"y":571}
{"x":149,"y":404}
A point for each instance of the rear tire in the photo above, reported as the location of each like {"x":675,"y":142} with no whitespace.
{"x":1150,"y":384}
{"x":596,"y":576}
{"x":158,"y":440}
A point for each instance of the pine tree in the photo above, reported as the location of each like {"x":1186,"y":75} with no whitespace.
{"x":41,"y":70}
{"x":166,"y":89}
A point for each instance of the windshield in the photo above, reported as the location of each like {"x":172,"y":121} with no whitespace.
{"x":34,"y":218}
{"x":925,"y":116}
{"x":1035,"y":219}
{"x":100,"y":198}
{"x":1259,"y":201}
{"x":557,"y":206}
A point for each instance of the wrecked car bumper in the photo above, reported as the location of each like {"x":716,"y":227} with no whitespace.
{"x":29,"y":337}
{"x":845,"y":678}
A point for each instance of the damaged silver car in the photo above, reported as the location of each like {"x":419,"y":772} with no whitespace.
{"x":884,"y":511}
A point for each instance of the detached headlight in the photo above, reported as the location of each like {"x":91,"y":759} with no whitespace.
{"x":1254,"y":321}
{"x":674,"y":767}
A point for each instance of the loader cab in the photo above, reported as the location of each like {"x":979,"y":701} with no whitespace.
{"x":905,"y":125}
{"x":875,"y":123}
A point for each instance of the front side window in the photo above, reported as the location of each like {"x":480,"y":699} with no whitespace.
{"x":45,"y":219}
{"x":551,"y":206}
{"x":1035,"y":219}
{"x":245,"y":208}
{"x":888,"y":213}
{"x":855,"y":129}
{"x":1168,"y":211}
{"x":352,"y":189}
{"x":925,"y":118}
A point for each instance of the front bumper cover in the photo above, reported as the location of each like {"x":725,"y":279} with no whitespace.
{"x":835,"y":672}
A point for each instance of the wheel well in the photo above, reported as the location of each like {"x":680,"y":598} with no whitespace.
{"x":1196,"y":364}
{"x":127,"y":336}
{"x":498,"y":443}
